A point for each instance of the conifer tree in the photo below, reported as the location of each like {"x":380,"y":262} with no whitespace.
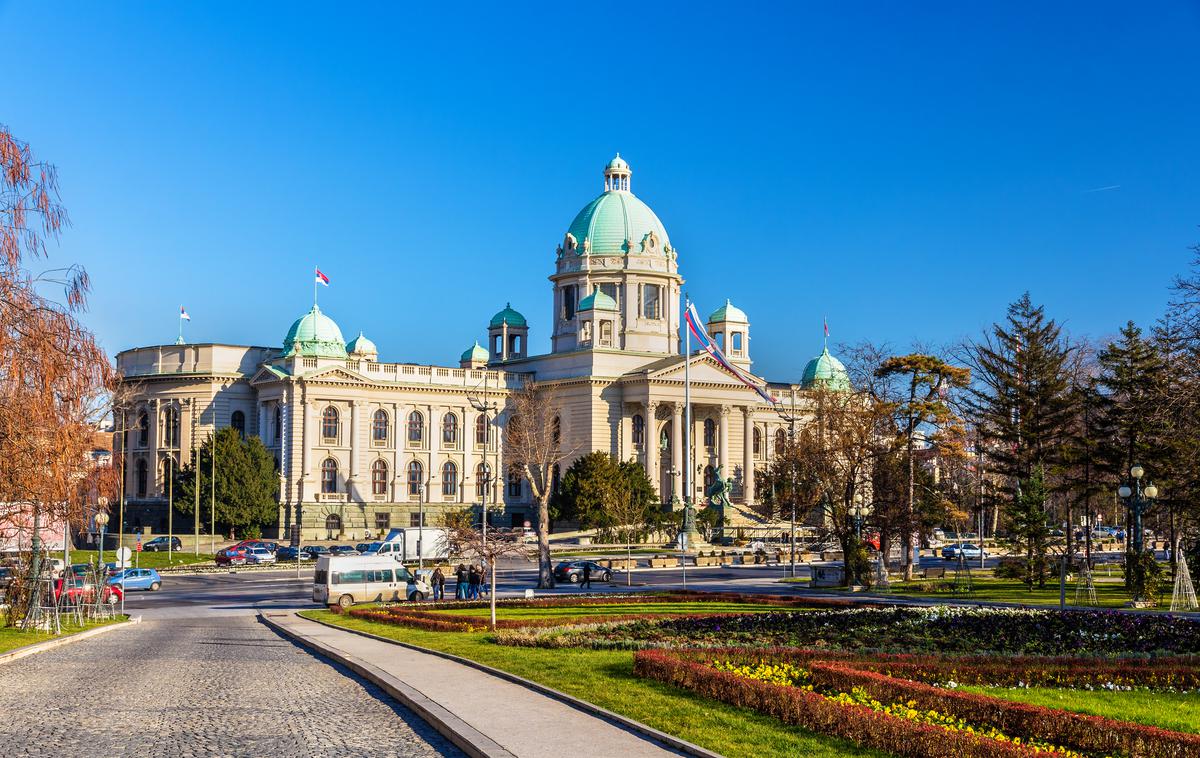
{"x":1130,"y":374}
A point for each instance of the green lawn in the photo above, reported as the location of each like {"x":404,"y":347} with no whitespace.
{"x":1170,"y":710}
{"x":11,"y":637}
{"x":143,"y":560}
{"x":605,"y":609}
{"x":606,"y":678}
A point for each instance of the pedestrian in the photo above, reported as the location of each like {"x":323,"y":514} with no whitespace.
{"x":438,"y":580}
{"x":460,"y":577}
{"x":473,"y":577}
{"x":587,"y":576}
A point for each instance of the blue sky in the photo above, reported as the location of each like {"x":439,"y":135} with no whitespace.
{"x":904,"y":169}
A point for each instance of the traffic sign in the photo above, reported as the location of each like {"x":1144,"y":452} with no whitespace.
{"x":123,"y":557}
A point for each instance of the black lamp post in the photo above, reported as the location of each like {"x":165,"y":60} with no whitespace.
{"x":1137,"y":500}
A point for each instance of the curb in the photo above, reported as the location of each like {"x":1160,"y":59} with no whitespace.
{"x":50,"y":644}
{"x":654,"y":735}
{"x":464,"y":736}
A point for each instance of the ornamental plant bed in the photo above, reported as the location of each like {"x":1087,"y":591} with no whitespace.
{"x":442,"y":623}
{"x":838,"y":699}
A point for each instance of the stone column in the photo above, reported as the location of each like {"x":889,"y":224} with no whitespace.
{"x":352,"y":477}
{"x":284,"y":451}
{"x":652,"y":447}
{"x":677,"y":450}
{"x":306,"y":444}
{"x":723,"y":441}
{"x":748,"y":455}
{"x":261,"y":431}
{"x":153,"y":409}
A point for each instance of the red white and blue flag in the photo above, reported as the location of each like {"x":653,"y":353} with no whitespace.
{"x":183,"y":314}
{"x":697,"y":328}
{"x":322,"y":279}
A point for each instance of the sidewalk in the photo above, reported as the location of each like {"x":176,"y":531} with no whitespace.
{"x":500,"y":717}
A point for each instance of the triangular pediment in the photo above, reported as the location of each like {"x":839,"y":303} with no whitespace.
{"x":267,"y":375}
{"x":704,"y":369}
{"x":336,"y":374}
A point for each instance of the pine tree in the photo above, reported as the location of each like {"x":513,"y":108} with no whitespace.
{"x":1130,"y":372}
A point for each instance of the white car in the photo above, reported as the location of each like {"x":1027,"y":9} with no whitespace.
{"x":259,"y":555}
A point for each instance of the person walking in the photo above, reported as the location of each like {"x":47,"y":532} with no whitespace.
{"x":460,"y":577}
{"x":474,"y":577}
{"x":438,"y":580}
{"x":587,"y":576}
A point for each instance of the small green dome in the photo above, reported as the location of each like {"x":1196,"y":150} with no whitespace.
{"x":597,"y":301}
{"x":728,"y":312}
{"x":508,"y":316}
{"x":475,"y":354}
{"x":826,"y":371}
{"x":315,"y":335}
{"x":360,"y":345}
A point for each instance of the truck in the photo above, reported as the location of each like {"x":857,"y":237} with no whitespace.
{"x":403,"y":544}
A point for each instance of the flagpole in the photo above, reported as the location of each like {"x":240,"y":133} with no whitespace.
{"x":180,"y":325}
{"x":314,"y":287}
{"x":687,"y":405}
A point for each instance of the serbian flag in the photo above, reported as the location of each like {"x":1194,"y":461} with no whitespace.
{"x":322,"y":279}
{"x":701,"y":334}
{"x":183,"y":314}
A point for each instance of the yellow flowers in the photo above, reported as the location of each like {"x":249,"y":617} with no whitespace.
{"x":774,"y":673}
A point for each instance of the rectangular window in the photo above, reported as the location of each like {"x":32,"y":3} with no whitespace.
{"x":383,"y":521}
{"x":319,"y":577}
{"x":737,"y":343}
{"x":403,"y":575}
{"x":568,"y":295}
{"x":651,"y":307}
{"x":414,"y":519}
{"x":348,"y":577}
{"x":606,"y":329}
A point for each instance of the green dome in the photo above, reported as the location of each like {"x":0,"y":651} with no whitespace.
{"x":728,"y":312}
{"x":360,"y":345}
{"x":509,"y":316}
{"x":827,"y":371}
{"x":617,"y":223}
{"x":597,"y":301}
{"x":315,"y":335}
{"x":476,"y":354}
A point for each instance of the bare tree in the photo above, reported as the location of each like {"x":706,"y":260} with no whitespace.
{"x":473,"y":545}
{"x":534,"y":446}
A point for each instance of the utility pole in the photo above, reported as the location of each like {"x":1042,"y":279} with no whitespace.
{"x":196,"y":484}
{"x":212,"y":502}
{"x":790,"y":418}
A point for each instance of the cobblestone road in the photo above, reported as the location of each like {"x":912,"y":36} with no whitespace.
{"x":199,"y":687}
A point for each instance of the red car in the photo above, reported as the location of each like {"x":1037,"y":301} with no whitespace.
{"x":231,"y":556}
{"x":77,"y":590}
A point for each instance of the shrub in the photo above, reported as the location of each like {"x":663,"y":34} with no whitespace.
{"x":1010,"y":568}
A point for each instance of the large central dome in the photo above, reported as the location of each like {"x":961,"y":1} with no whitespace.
{"x":617,"y":222}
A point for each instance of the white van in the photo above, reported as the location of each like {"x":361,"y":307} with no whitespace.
{"x":350,"y":579}
{"x":432,"y":543}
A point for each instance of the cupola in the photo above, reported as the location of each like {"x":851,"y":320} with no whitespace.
{"x":508,"y":333}
{"x":730,"y":327}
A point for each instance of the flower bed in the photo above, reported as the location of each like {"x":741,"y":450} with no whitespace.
{"x":829,"y":694}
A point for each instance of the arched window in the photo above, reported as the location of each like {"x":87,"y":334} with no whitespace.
{"x":780,"y":441}
{"x":379,"y":477}
{"x":416,"y":476}
{"x":143,"y":427}
{"x":757,"y":442}
{"x":171,"y":427}
{"x":710,"y":476}
{"x":449,"y":479}
{"x":416,"y":428}
{"x":710,"y":433}
{"x":450,"y":430}
{"x":737,"y":343}
{"x":379,"y":427}
{"x":481,"y":429}
{"x":639,"y":430}
{"x":278,"y":423}
{"x":514,"y":482}
{"x":238,"y":421}
{"x":329,"y":475}
{"x":141,"y":476}
{"x":333,"y":523}
{"x":329,"y":424}
{"x":482,"y":473}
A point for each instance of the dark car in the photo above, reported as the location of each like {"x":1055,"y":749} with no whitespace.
{"x":362,"y":547}
{"x":288,"y":553}
{"x":160,"y":545}
{"x":343,"y":550}
{"x":572,"y":571}
{"x":315,"y":551}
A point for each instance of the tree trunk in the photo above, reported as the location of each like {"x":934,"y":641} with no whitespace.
{"x":545,"y":570}
{"x":909,"y":510}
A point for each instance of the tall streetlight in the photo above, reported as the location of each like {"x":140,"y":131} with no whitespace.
{"x":1137,"y":500}
{"x":101,"y":518}
{"x":790,"y":417}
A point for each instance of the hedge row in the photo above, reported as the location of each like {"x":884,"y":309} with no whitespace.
{"x":438,"y":622}
{"x":859,"y":724}
{"x":842,"y":672}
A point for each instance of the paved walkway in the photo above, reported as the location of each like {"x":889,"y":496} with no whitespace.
{"x":523,"y":722}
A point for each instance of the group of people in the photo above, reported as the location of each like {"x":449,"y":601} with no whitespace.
{"x":469,"y":581}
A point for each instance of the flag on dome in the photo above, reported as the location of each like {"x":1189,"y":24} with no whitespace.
{"x":697,"y":328}
{"x":184,"y":314}
{"x":322,"y":279}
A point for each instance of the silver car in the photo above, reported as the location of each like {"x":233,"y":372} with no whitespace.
{"x":259,"y":555}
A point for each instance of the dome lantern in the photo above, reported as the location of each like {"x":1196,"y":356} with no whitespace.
{"x":616,"y":175}
{"x":507,"y":334}
{"x":730,"y":327}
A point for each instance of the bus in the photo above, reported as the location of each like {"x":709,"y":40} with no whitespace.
{"x":350,"y":579}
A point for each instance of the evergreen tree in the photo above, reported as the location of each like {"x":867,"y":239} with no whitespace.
{"x":617,"y":498}
{"x":1130,"y":373}
{"x":1028,"y":531}
{"x":247,"y":497}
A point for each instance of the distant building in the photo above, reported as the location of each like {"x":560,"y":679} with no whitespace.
{"x":360,"y":442}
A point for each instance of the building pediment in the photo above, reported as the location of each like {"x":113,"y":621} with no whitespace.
{"x":703,"y":369}
{"x":337,"y":375}
{"x":267,"y":375}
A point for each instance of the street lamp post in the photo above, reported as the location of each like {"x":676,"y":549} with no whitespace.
{"x":859,"y":510}
{"x":1137,"y":500}
{"x":101,"y":518}
{"x":420,"y":525}
{"x":790,"y":417}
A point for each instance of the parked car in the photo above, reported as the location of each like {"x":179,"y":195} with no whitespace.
{"x":572,"y":571}
{"x":362,"y":547}
{"x":314,"y":551}
{"x":259,"y":555}
{"x":160,"y":545}
{"x":343,"y":550}
{"x":966,"y":550}
{"x":137,"y":579}
{"x":231,"y":556}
